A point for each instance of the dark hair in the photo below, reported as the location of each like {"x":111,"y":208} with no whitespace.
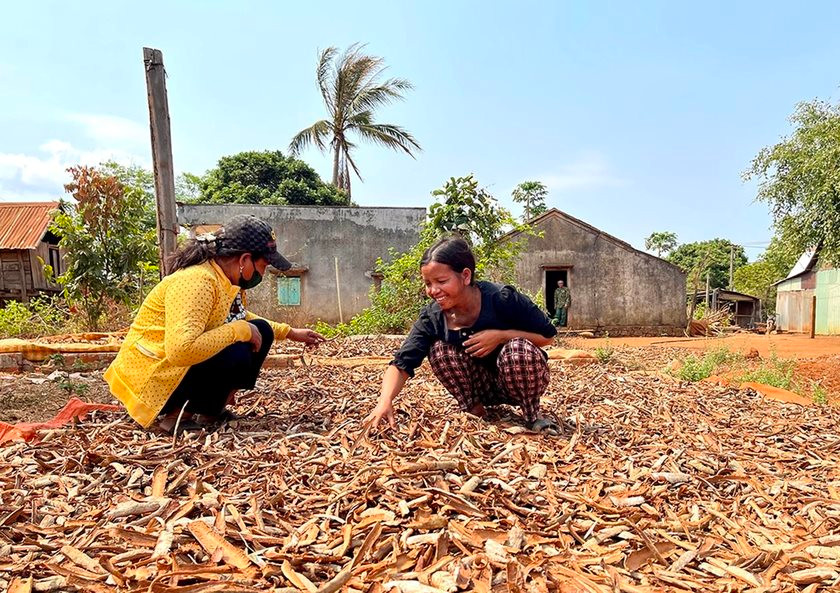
{"x":192,"y":253}
{"x":197,"y":251}
{"x":453,"y":252}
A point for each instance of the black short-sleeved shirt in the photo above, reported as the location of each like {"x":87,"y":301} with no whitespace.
{"x":502,"y":307}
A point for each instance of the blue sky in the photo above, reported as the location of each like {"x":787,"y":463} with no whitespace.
{"x":638,"y":116}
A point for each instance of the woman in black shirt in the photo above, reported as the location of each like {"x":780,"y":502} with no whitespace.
{"x":482,"y":339}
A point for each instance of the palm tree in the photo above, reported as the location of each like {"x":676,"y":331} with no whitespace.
{"x":350,"y":86}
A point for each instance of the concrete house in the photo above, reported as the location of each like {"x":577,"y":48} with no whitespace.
{"x":334,"y":252}
{"x":615,"y":288}
{"x":25,"y":241}
{"x":810,"y":281}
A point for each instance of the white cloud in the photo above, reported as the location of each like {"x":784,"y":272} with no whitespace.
{"x":588,"y":170}
{"x":42,"y":176}
{"x":111,"y":129}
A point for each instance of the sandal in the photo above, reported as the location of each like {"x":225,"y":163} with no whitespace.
{"x":222,"y":418}
{"x":184,"y":426}
{"x":545,"y":426}
{"x":227,"y":416}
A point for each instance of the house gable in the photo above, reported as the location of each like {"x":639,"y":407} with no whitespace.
{"x":544,"y":221}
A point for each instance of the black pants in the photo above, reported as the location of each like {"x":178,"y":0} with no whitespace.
{"x":207,"y":385}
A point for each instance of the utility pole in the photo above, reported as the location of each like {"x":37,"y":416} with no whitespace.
{"x":167,"y":220}
{"x":731,"y":264}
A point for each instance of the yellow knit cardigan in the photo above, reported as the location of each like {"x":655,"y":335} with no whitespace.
{"x":180,"y":323}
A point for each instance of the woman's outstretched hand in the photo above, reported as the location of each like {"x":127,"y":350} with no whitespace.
{"x":307,"y":336}
{"x":382,"y":410}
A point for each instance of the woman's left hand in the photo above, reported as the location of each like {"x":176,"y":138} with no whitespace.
{"x":484,"y":342}
{"x":307,"y":336}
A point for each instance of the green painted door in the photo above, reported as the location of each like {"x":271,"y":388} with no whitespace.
{"x":288,"y":291}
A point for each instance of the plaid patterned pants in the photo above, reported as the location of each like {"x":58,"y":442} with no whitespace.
{"x":520,"y":378}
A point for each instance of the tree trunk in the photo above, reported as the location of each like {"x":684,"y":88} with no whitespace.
{"x":335,"y":166}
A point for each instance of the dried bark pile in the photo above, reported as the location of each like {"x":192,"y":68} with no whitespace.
{"x":655,"y":487}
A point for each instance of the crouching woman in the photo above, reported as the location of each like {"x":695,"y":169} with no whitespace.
{"x":483,"y":341}
{"x":193,"y":344}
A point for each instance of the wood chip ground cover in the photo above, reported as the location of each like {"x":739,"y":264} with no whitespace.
{"x":656,"y":486}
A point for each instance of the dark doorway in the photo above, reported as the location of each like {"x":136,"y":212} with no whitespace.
{"x":551,"y":279}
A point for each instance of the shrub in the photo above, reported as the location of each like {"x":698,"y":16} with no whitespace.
{"x":774,"y":372}
{"x":697,"y":368}
{"x":694,"y":369}
{"x":605,"y":353}
{"x":819,"y":394}
{"x":41,"y":316}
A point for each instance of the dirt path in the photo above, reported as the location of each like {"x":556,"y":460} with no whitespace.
{"x":784,"y":345}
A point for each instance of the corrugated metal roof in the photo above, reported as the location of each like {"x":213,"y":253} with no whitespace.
{"x":805,"y":263}
{"x":23,"y":224}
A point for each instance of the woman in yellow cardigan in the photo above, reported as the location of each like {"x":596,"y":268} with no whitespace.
{"x":192,"y":344}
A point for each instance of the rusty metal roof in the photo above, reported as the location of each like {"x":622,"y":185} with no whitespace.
{"x":23,"y":224}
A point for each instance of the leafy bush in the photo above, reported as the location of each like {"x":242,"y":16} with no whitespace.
{"x":41,"y":316}
{"x":605,"y":353}
{"x":819,"y":394}
{"x":696,"y":368}
{"x":774,"y":372}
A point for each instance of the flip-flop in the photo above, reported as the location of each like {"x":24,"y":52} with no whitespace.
{"x":224,"y":417}
{"x":227,"y":416}
{"x":545,"y":426}
{"x":184,"y":426}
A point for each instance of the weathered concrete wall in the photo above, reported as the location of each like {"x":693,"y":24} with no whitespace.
{"x":614,"y":287}
{"x":313,"y":237}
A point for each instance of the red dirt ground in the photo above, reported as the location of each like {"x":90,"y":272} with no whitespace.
{"x":818,"y":358}
{"x":784,"y":345}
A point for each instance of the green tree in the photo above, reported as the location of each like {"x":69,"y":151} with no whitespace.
{"x":351,"y":88}
{"x":461,"y":208}
{"x":799,"y":177}
{"x":109,"y":242}
{"x":775,"y":263}
{"x":661,"y":242}
{"x":465,"y":209}
{"x":532,"y":195}
{"x":710,"y":257}
{"x":757,"y":279}
{"x":187,"y":185}
{"x":266,"y":177}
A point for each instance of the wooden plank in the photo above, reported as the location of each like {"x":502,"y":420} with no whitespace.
{"x":167,"y":222}
{"x":24,"y":296}
{"x":39,"y":279}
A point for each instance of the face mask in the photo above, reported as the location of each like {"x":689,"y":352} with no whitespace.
{"x":256,"y":278}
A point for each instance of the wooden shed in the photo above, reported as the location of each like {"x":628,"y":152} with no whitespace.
{"x":24,"y":238}
{"x":745,"y":309}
